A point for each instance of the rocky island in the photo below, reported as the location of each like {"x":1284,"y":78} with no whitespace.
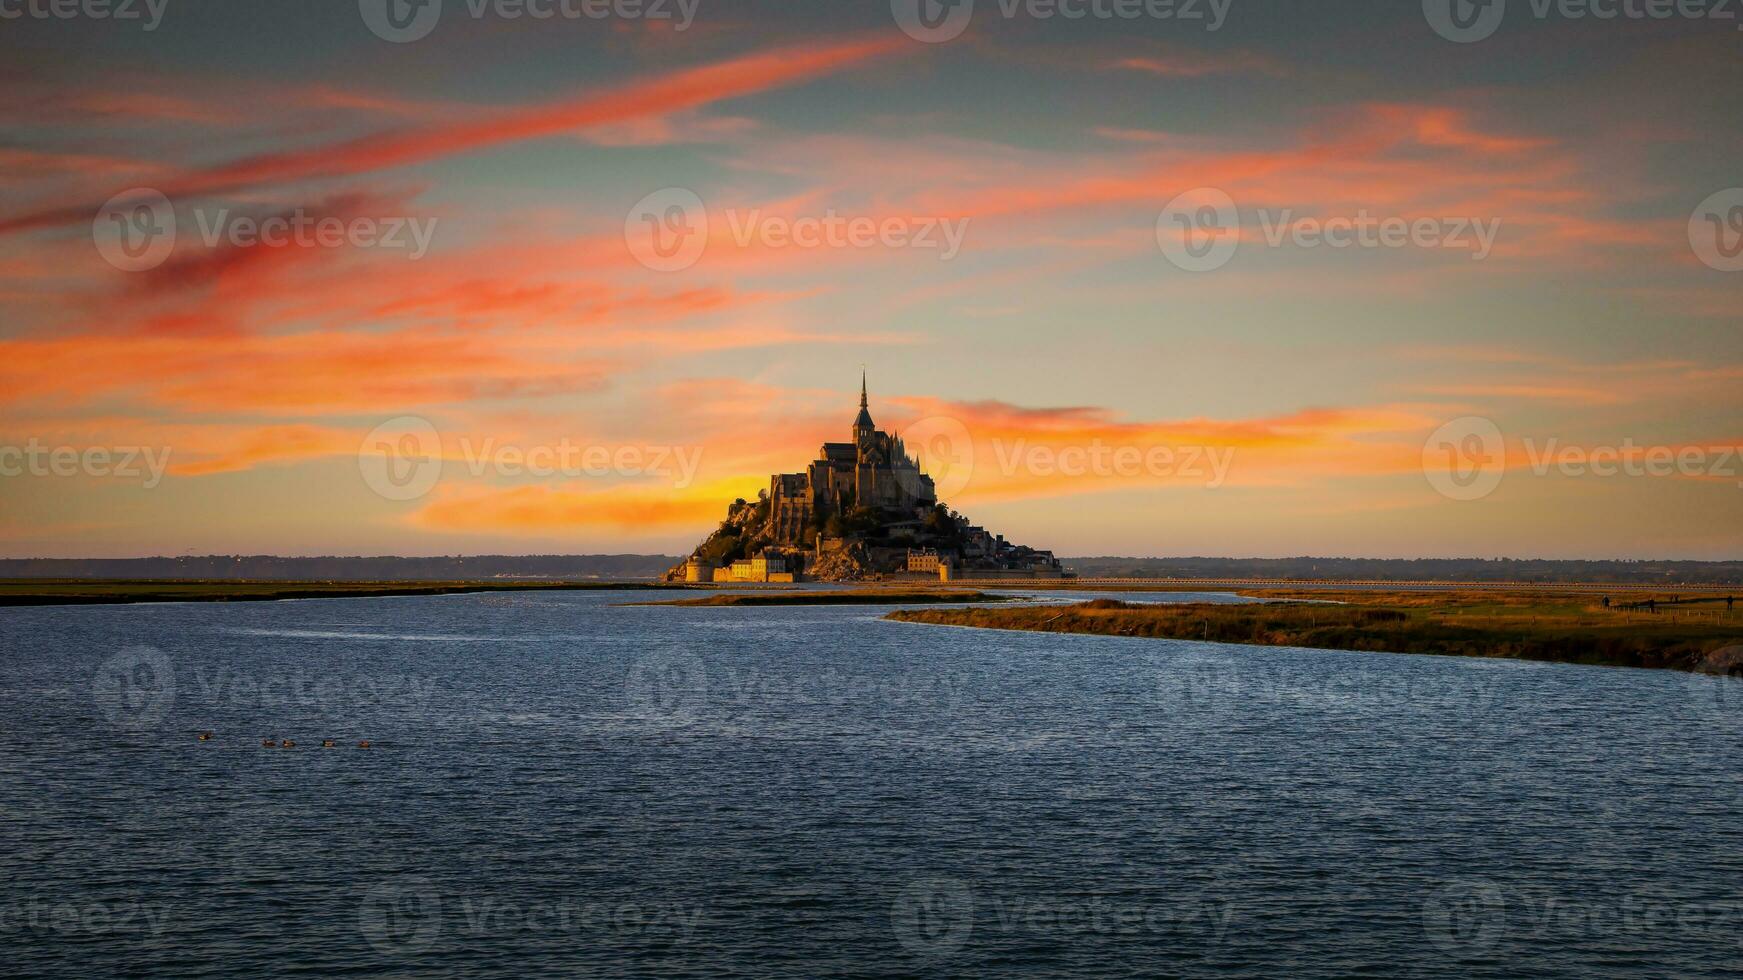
{"x":862,"y":510}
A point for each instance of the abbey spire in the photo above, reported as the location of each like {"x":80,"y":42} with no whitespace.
{"x":862,"y":425}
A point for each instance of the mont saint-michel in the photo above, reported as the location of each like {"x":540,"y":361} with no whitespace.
{"x":863,"y":509}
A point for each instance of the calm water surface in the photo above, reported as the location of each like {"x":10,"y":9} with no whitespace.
{"x":559,"y":785}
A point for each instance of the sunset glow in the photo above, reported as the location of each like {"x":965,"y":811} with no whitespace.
{"x":1558,"y":295}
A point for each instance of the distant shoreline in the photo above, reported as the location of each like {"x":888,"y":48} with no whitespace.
{"x":81,"y":591}
{"x":91,"y":592}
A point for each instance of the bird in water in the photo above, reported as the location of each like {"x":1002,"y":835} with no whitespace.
{"x":363,"y":744}
{"x":267,"y":743}
{"x":287,"y":744}
{"x":327,"y":743}
{"x":205,"y":736}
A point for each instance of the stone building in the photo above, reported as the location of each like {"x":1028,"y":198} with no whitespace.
{"x":873,"y":470}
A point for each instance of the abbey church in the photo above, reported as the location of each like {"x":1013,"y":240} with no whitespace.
{"x":861,"y":510}
{"x":872,"y":471}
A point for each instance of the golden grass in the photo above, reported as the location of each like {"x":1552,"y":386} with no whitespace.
{"x":1561,"y":628}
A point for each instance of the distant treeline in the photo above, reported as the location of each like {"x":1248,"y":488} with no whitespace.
{"x":1417,"y":569}
{"x":336,"y":569}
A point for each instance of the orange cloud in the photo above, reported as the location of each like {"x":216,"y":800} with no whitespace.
{"x":677,"y":92}
{"x":1191,"y":64}
{"x":540,"y":510}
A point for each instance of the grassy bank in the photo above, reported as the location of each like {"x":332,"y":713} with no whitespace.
{"x":1566,"y":629}
{"x":863,"y":597}
{"x":50,"y":592}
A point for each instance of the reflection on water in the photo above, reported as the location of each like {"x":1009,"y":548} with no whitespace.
{"x":558,"y":784}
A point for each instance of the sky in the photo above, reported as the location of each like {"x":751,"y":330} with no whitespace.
{"x":1154,"y":278}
